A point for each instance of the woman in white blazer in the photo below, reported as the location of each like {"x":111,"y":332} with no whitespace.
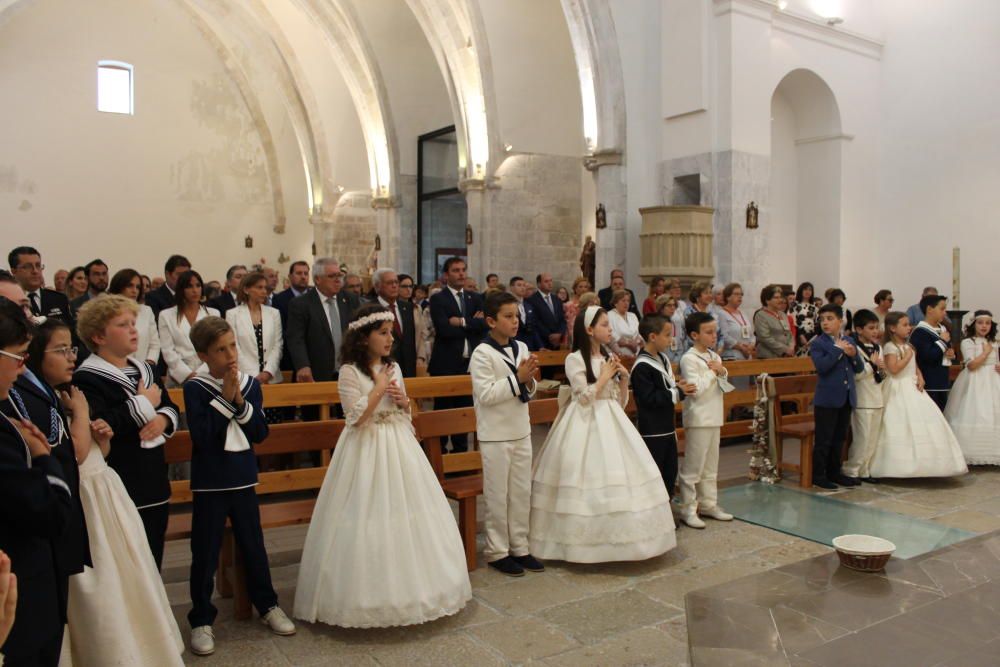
{"x":259,"y":339}
{"x":128,"y":283}
{"x":175,"y":329}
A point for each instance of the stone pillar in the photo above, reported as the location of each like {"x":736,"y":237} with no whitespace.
{"x":478,"y":201}
{"x":610,"y":184}
{"x":387,"y":227}
{"x":322,"y":224}
{"x":676,"y":241}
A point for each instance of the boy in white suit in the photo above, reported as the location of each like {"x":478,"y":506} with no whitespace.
{"x":703,"y":417}
{"x":502,"y":371}
{"x":866,"y":418}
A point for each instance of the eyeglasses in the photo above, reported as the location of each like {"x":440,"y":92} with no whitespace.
{"x":405,"y":285}
{"x":21,"y":359}
{"x":68,"y":352}
{"x":32,"y":267}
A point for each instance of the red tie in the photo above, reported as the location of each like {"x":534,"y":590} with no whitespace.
{"x":397,"y":329}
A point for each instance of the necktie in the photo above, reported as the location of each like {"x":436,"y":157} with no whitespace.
{"x":397,"y":327}
{"x":461,"y":302}
{"x":36,"y":307}
{"x":548,"y":302}
{"x":331,"y":308}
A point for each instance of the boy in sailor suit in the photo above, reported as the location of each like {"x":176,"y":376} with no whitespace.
{"x":656,"y":393}
{"x":932,"y":344}
{"x":503,"y":382}
{"x":866,"y":419}
{"x":123,"y":391}
{"x":225,"y":417}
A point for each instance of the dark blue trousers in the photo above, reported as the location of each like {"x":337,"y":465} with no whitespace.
{"x":208,"y":523}
{"x":828,"y":443}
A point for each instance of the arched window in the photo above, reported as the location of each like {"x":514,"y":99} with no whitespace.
{"x":114,"y":87}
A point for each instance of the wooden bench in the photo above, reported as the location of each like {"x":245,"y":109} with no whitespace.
{"x":801,"y":427}
{"x":283,"y":439}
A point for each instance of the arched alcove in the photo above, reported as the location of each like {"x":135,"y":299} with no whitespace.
{"x":805,"y":181}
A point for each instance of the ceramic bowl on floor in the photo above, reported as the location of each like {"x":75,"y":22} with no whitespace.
{"x":865,"y":553}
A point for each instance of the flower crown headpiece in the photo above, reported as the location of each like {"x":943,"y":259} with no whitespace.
{"x":384,"y":316}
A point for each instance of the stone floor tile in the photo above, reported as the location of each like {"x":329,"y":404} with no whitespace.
{"x":942,"y":500}
{"x":676,"y":627}
{"x":672,"y":588}
{"x":783,"y":554}
{"x":900,"y":505}
{"x":862,"y":604}
{"x":970,"y":519}
{"x":522,"y":639}
{"x":530,"y":593}
{"x":592,"y":619}
{"x":455,"y":650}
{"x":314,"y":642}
{"x":991,"y":506}
{"x":799,"y":632}
{"x":646,"y":646}
{"x":234,"y":653}
{"x":704,"y":656}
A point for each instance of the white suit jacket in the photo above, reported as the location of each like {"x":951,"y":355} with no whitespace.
{"x":149,"y":336}
{"x":246,"y":340}
{"x":175,"y":343}
{"x":705,"y":407}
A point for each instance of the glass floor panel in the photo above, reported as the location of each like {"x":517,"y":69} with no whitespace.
{"x":820,"y":518}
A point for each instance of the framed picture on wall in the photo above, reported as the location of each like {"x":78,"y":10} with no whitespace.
{"x":442,"y":255}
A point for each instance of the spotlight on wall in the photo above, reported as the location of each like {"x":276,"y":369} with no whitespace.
{"x":508,"y":147}
{"x":340,"y":188}
{"x":782,"y":5}
{"x":834,"y":21}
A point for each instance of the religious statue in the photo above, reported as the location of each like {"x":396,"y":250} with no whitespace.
{"x":752,"y":215}
{"x":588,"y":260}
{"x":372,"y":263}
{"x":602,"y":217}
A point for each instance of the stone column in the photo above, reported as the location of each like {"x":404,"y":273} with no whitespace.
{"x":610,"y":184}
{"x":478,"y":200}
{"x":322,"y":224}
{"x":388,"y":229}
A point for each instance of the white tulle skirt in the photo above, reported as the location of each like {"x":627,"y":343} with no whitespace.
{"x":596,"y":493}
{"x":974,"y":414}
{"x":383,"y":548}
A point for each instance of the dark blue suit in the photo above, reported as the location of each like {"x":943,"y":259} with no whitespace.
{"x":835,"y":397}
{"x":448,"y":354}
{"x":930,"y":351}
{"x":527,"y":328}
{"x":549,"y":320}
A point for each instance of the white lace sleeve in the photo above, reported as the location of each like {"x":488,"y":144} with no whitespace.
{"x":397,"y":375}
{"x":576,"y":373}
{"x":353,"y":398}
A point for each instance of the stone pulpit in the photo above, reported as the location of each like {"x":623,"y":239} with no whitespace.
{"x":676,"y":241}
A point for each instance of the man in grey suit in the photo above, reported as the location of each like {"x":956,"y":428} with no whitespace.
{"x":317,"y":322}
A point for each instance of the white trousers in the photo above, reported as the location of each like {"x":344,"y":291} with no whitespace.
{"x":699,"y":468}
{"x":865,"y":426}
{"x":507,"y":491}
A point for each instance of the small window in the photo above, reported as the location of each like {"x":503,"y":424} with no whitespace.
{"x":114,"y":87}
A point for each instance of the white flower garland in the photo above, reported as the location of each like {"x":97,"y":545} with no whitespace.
{"x":762,"y":468}
{"x":385,"y":316}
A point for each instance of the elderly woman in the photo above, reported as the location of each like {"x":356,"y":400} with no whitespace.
{"x":701,"y":299}
{"x":805,"y":313}
{"x":657,"y":288}
{"x":257,"y":327}
{"x":625,"y":339}
{"x":770,"y":324}
{"x":666,"y":306}
{"x":735,"y":328}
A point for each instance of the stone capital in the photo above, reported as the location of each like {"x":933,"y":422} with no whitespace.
{"x":600,"y":158}
{"x":474,"y":184}
{"x":393,"y":201}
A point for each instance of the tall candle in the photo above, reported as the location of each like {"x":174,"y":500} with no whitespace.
{"x":955,"y":278}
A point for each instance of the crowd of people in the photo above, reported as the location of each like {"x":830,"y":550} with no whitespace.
{"x":85,"y":411}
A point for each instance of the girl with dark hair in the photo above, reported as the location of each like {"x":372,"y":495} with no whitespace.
{"x":175,"y":325}
{"x":805,"y":313}
{"x":383,"y":548}
{"x":37,"y":505}
{"x":597,"y":494}
{"x":973,"y":409}
{"x":915,"y":439}
{"x":129,"y":284}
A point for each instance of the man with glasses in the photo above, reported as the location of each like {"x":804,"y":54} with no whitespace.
{"x":317,"y":322}
{"x":407,"y":341}
{"x":27,"y":268}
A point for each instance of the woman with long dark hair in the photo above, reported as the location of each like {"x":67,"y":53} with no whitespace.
{"x":175,"y":328}
{"x":130,"y":285}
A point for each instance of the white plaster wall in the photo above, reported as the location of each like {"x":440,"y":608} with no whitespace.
{"x":783,"y":217}
{"x":938,"y":161}
{"x":534,"y":76}
{"x":184,"y":174}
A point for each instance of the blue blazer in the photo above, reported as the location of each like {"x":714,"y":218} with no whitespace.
{"x":527,"y":330}
{"x":449,"y":341}
{"x":930,"y":351}
{"x":548,"y":321}
{"x":836,"y":370}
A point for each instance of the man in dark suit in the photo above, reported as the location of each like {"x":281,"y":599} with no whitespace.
{"x":298,"y":277}
{"x":385,"y":282}
{"x":527,"y":330}
{"x":617,"y":283}
{"x":227,"y":300}
{"x":549,"y":316}
{"x":459,"y":326}
{"x":163,"y":296}
{"x":97,"y":282}
{"x":317,"y":322}
{"x":26,"y":266}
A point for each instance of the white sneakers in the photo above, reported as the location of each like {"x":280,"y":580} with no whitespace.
{"x":691,"y":519}
{"x":279,"y":623}
{"x":716,"y":513}
{"x":202,"y":640}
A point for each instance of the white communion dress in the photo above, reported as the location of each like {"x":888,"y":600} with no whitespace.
{"x":915,"y":440}
{"x":383,"y":548}
{"x":596,"y":493}
{"x":118,"y":610}
{"x":973,"y":408}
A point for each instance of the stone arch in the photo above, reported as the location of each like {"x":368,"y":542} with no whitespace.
{"x":807,"y":144}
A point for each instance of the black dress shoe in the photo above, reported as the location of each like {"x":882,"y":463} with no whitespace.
{"x":529,"y":562}
{"x":508,"y":566}
{"x":821,"y":483}
{"x":844,"y":480}
{"x":870,"y":480}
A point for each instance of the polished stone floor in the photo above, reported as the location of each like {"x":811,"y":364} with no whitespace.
{"x":606,"y":615}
